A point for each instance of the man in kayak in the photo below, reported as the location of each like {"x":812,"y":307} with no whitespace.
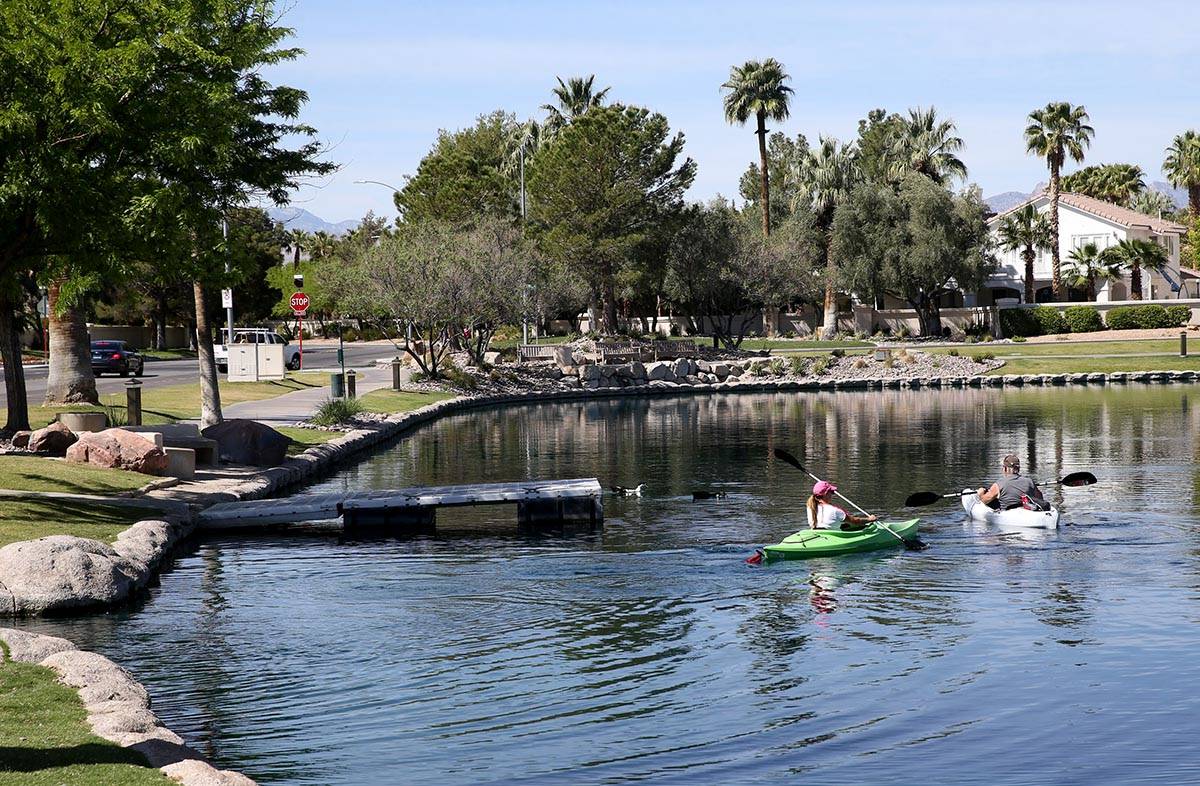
{"x":823,"y":514}
{"x":1012,"y":489}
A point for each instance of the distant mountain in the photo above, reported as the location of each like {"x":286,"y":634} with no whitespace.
{"x":299,"y":218}
{"x":1005,"y":201}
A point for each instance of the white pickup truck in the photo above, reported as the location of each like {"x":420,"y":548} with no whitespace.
{"x":291,"y":355}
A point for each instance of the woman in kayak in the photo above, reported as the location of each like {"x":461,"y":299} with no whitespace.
{"x":1012,"y":489}
{"x":823,"y":514}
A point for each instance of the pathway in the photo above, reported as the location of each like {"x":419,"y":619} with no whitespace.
{"x":292,"y":407}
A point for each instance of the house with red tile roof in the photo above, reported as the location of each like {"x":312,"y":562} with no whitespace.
{"x":1082,"y":220}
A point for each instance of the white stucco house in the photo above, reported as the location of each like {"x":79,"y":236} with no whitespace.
{"x":1082,"y":220}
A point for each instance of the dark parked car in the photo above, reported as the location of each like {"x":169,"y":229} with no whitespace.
{"x":116,"y":357}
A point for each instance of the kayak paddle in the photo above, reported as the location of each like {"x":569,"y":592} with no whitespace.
{"x":921,"y":498}
{"x":916,"y":544}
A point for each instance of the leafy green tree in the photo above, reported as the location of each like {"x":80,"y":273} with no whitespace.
{"x":827,"y":175}
{"x":756,"y":89}
{"x":1153,"y":203}
{"x":575,"y":96}
{"x":1088,"y":265}
{"x":1027,"y":231}
{"x":783,"y":157}
{"x":602,"y":188}
{"x":877,"y":135}
{"x":1137,"y":255}
{"x":468,"y":173}
{"x":1116,"y":183}
{"x":915,"y":242}
{"x":928,"y":146}
{"x":1182,"y":167}
{"x":1055,"y":132}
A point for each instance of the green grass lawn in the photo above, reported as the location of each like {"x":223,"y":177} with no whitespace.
{"x":31,"y":473}
{"x":29,"y":519}
{"x":182,"y":402}
{"x":169,"y":354}
{"x":1088,"y":365}
{"x":45,"y":739}
{"x":1074,"y":348}
{"x":390,"y":402}
{"x":304,"y":438}
{"x":797,"y":344}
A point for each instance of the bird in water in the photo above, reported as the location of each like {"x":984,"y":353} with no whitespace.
{"x":699,"y":495}
{"x":621,"y":491}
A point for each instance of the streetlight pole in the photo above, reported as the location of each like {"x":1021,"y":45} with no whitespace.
{"x":229,"y":308}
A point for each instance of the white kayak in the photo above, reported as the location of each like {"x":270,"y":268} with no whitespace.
{"x":1014,"y":517}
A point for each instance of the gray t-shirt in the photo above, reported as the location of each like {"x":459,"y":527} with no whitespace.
{"x":1011,"y":489}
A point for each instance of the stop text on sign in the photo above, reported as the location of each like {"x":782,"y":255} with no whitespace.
{"x":299,"y":302}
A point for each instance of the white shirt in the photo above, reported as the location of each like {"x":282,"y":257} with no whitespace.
{"x":829,"y":516}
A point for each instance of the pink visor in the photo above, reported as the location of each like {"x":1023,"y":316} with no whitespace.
{"x":823,"y":488}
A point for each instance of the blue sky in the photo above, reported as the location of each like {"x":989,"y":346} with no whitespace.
{"x":383,"y":77}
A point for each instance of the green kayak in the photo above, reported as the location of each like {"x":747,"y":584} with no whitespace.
{"x":809,"y":543}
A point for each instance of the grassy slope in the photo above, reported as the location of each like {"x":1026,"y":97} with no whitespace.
{"x":30,"y":473}
{"x":30,"y":519}
{"x":45,"y":740}
{"x":390,"y":402}
{"x":181,"y":402}
{"x":1080,"y":365}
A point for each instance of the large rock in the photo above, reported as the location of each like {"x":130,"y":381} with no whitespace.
{"x":563,"y":357}
{"x":590,"y":373}
{"x":63,"y":572}
{"x":116,"y":448}
{"x":660,"y":371}
{"x":53,"y":440}
{"x":21,"y":439}
{"x":249,"y":442}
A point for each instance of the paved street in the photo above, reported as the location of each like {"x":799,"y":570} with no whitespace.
{"x":318,"y":356}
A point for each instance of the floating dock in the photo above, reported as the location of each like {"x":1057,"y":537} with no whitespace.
{"x":539,"y":503}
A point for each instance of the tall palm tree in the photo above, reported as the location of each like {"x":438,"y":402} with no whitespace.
{"x":927,"y":146}
{"x":1116,"y":183}
{"x":69,"y":378}
{"x":298,"y":239}
{"x":1055,"y":132}
{"x":1138,"y":255}
{"x":1153,"y":203}
{"x":1182,"y":167}
{"x":1088,"y":265}
{"x":827,"y":174}
{"x":575,"y":96}
{"x":757,"y":89}
{"x":1027,"y":231}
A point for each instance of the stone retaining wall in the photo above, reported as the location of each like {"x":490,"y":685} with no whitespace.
{"x":118,"y":707}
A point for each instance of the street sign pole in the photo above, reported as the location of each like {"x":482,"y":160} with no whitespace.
{"x":299,"y":303}
{"x":229,"y":304}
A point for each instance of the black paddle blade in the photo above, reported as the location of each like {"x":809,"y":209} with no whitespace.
{"x":788,"y":458}
{"x":1079,"y":479}
{"x":922,"y":498}
{"x":915,"y":544}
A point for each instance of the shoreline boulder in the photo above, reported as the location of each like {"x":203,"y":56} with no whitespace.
{"x":248,"y":442}
{"x":116,"y":448}
{"x":53,"y":440}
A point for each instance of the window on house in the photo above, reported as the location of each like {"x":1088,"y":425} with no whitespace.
{"x":1100,"y":241}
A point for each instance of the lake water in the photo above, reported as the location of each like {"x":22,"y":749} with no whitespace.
{"x":651,"y":652}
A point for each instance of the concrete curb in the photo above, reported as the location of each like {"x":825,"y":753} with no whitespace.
{"x":118,"y":707}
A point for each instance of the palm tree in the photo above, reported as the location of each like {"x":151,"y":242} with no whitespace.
{"x":1116,"y":183}
{"x":575,"y":96}
{"x":827,"y":174}
{"x":298,"y":239}
{"x":1182,"y":167}
{"x":1027,"y":231}
{"x":927,"y":146}
{"x":1087,"y":265}
{"x":1055,"y":132}
{"x":1138,"y":255}
{"x":69,"y":378}
{"x":1152,"y":203}
{"x":758,"y":89}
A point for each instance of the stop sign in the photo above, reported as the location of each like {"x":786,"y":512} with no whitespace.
{"x":299,"y":302}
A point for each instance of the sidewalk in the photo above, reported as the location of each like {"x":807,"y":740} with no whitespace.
{"x":292,"y":407}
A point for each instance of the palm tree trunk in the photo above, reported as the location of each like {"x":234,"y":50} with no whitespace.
{"x":160,"y":319}
{"x":829,"y":328}
{"x":15,"y":398}
{"x":1135,"y":281}
{"x":1194,"y":199}
{"x":764,"y":178}
{"x":610,"y":309}
{"x":1056,"y":279}
{"x":210,"y":394}
{"x":70,"y":377}
{"x":1029,"y":255}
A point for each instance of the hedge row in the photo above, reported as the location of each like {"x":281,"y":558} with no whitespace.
{"x":1045,"y":320}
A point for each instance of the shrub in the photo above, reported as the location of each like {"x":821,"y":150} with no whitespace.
{"x":903,"y":331}
{"x":838,"y":353}
{"x":777,"y":366}
{"x":860,"y":363}
{"x":1149,"y":316}
{"x":888,"y":362}
{"x":1019,"y":322}
{"x":1153,"y":317}
{"x":334,"y":411}
{"x":1180,"y":315}
{"x":983,"y":358}
{"x":953,"y":353}
{"x":820,"y":366}
{"x":1050,"y":320}
{"x":1083,"y":319}
{"x":796,"y":364}
{"x":457,"y":377}
{"x":1018,"y":339}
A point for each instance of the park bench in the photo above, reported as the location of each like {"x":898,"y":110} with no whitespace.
{"x":535,"y":352}
{"x":618,"y":350}
{"x":184,"y":435}
{"x":673,"y":349}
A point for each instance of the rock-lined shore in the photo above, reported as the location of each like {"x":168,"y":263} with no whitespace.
{"x":118,"y":707}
